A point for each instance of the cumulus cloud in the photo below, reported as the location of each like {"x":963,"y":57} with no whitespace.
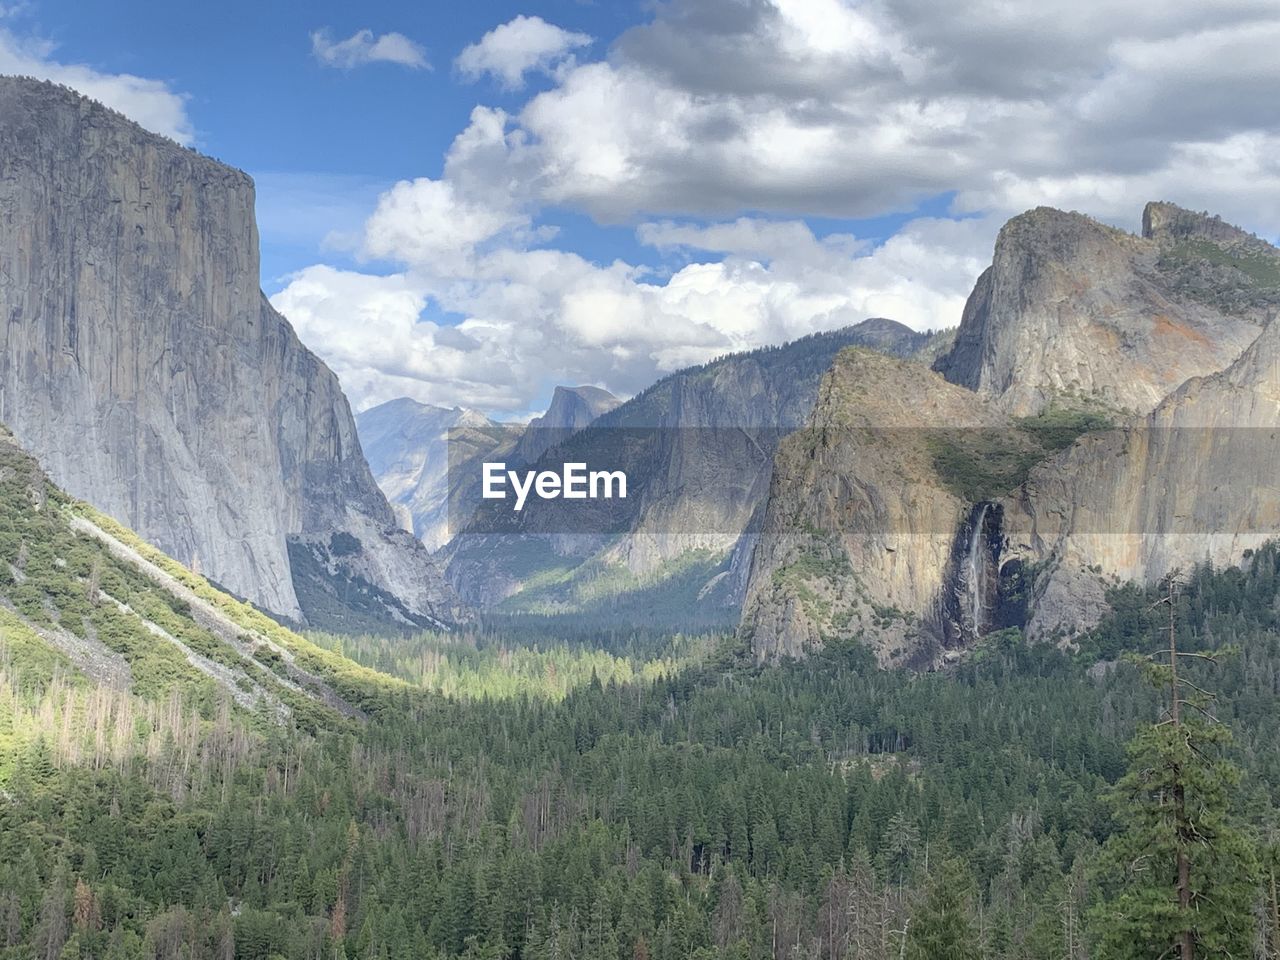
{"x":822,"y":107}
{"x":368,"y":329}
{"x":428,"y":220}
{"x":364,"y":46}
{"x":518,"y":47}
{"x":724,"y":128}
{"x":540,"y":316}
{"x":483,"y":195}
{"x":150,"y":103}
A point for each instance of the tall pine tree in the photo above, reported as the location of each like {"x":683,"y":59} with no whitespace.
{"x":1180,"y":873}
{"x":941,"y":928}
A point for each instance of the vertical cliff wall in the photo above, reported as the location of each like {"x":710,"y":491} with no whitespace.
{"x":141,"y":363}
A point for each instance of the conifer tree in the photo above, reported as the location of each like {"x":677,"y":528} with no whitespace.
{"x":1181,"y":872}
{"x":941,"y":928}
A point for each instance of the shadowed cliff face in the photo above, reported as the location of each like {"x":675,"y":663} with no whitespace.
{"x":142,"y":365}
{"x":703,"y":448}
{"x":1072,"y":310}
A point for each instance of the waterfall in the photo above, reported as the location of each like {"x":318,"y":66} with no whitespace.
{"x":978,"y":570}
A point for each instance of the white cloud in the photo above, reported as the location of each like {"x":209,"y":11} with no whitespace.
{"x":533,"y":316}
{"x":368,"y":330}
{"x":786,"y":110}
{"x":364,"y":47}
{"x":841,"y":109}
{"x":483,"y":194}
{"x":518,"y":47}
{"x":426,"y":221}
{"x":150,"y":103}
{"x":1237,"y":178}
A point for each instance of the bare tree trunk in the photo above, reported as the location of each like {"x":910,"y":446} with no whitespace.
{"x":1186,"y":938}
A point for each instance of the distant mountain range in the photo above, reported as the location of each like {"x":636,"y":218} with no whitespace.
{"x":408,"y":445}
{"x":697,"y":446}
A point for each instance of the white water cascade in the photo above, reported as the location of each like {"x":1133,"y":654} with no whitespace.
{"x":978,"y":570}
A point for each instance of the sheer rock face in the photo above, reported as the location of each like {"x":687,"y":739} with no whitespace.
{"x":571,"y":409}
{"x":1073,"y":310}
{"x":865,"y":539}
{"x":143,"y":366}
{"x":865,"y":542}
{"x":858,"y":541}
{"x":1196,"y":480}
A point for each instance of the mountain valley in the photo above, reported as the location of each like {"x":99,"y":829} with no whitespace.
{"x":949,"y":645}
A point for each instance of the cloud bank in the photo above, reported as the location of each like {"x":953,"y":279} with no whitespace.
{"x":724,"y":130}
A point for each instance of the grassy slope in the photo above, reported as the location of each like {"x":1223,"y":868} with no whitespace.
{"x":62,"y":586}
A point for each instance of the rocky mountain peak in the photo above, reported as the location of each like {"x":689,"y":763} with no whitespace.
{"x":1072,"y":311}
{"x":1051,"y":235}
{"x":889,"y":336}
{"x":409,"y":445}
{"x":571,"y":408}
{"x":1166,"y":222}
{"x":1116,"y":398}
{"x":699,"y":466}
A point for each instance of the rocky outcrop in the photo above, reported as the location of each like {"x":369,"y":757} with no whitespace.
{"x":965,"y":515}
{"x":1072,"y":311}
{"x":571,"y":409}
{"x":142,"y":365}
{"x":1193,"y":482}
{"x":697,"y":448}
{"x":865,"y":532}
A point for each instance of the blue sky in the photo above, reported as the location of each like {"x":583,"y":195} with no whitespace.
{"x":329,"y":138}
{"x":469,"y":203}
{"x":323,"y":143}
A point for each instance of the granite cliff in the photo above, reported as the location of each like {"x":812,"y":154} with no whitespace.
{"x":1113,"y":415}
{"x":571,"y":409}
{"x":1074,"y":311}
{"x":144,"y":368}
{"x":1196,"y":480}
{"x":860,"y":523}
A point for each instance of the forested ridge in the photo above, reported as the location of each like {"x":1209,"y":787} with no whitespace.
{"x":697,"y":805}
